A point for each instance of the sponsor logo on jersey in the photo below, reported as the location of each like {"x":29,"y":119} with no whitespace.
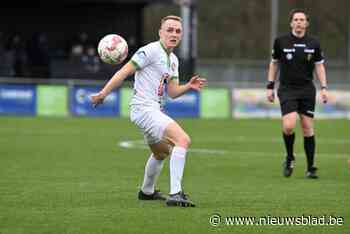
{"x":141,"y":53}
{"x":289,"y":56}
{"x":162,"y":82}
{"x":173,"y":66}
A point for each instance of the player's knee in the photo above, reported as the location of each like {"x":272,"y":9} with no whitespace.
{"x":288,"y":127}
{"x":184,"y":141}
{"x":307,"y":130}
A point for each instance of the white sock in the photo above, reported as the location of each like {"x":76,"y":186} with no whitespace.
{"x":152,"y":171}
{"x":177,"y":165}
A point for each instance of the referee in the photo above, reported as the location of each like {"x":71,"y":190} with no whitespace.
{"x":297,"y":55}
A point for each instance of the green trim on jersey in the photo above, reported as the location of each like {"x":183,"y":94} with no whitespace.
{"x":168,"y":52}
{"x":174,"y":78}
{"x":135,"y":64}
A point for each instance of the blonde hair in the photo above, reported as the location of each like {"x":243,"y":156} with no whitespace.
{"x":170,"y":17}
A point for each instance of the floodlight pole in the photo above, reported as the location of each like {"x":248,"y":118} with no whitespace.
{"x":349,"y":47}
{"x":274,"y":21}
{"x":188,"y":47}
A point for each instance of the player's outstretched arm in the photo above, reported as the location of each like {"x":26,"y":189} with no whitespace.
{"x":175,"y":90}
{"x":116,"y":81}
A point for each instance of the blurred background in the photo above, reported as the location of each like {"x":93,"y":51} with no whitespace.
{"x":66,"y":167}
{"x":49,"y":63}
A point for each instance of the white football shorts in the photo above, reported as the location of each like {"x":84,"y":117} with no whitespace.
{"x":152,"y":123}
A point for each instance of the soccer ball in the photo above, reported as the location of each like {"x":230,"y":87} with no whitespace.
{"x":112,"y":49}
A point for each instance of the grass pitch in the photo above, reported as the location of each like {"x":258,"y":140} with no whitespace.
{"x":69,"y":175}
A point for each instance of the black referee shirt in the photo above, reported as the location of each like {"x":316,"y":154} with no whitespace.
{"x":297,"y":58}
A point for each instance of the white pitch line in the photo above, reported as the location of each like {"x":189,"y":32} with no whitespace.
{"x":140,"y":145}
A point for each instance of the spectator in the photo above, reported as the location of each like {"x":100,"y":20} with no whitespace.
{"x":16,"y":55}
{"x":79,"y":45}
{"x":90,"y":60}
{"x":38,"y":56}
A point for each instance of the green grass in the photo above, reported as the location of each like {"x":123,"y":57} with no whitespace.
{"x":68,"y":175}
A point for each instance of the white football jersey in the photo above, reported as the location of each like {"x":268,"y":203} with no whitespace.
{"x":154,"y":68}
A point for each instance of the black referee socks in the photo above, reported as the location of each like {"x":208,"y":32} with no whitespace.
{"x":289,"y":143}
{"x":309,"y":147}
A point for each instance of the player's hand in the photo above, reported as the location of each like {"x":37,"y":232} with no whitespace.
{"x":97,"y":99}
{"x":270,"y":95}
{"x":324,"y":95}
{"x":197,"y":82}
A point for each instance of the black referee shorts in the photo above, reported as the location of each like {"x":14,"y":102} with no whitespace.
{"x":300,"y":101}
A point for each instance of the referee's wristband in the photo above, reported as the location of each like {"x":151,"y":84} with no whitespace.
{"x":270,"y":85}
